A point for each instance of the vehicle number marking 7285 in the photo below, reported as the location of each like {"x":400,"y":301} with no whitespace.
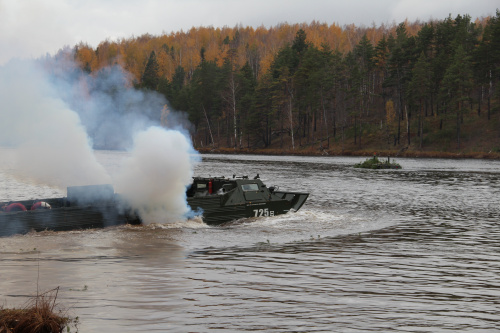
{"x":263,"y":212}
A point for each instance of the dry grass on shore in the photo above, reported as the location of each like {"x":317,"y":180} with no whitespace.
{"x":40,"y":315}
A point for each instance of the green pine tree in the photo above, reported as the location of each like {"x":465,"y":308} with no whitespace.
{"x":151,"y":78}
{"x":456,"y":85}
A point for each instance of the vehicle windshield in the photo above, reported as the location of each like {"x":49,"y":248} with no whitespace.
{"x":250,"y":187}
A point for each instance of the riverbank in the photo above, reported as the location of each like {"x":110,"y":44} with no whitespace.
{"x":308,"y":151}
{"x":479,"y":139}
{"x":38,"y":316}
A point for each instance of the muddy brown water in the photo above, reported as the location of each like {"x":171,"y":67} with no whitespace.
{"x":411,"y":250}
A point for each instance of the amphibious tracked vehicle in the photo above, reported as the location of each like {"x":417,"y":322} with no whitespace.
{"x":223,"y":199}
{"x":217,"y":199}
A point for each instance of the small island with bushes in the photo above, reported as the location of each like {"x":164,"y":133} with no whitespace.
{"x":375,"y":163}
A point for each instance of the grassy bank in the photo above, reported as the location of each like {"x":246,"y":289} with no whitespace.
{"x":38,"y":316}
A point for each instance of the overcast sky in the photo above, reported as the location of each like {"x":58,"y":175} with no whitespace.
{"x":31,"y":28}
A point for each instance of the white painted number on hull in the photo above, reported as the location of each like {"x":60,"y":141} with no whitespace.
{"x":263,"y":212}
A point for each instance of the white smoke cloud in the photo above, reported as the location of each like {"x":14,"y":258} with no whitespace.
{"x":51,"y":144}
{"x":109,"y":107}
{"x":51,"y":111}
{"x":154,"y":178}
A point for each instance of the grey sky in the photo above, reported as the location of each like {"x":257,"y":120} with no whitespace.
{"x":30,"y":28}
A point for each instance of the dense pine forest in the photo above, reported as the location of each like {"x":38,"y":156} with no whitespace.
{"x":324,"y":89}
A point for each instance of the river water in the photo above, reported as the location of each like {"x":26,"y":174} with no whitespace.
{"x":411,"y":250}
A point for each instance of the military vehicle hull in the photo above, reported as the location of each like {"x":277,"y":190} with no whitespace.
{"x":225,"y":199}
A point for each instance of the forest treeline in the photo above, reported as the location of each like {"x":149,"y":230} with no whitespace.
{"x":315,"y":85}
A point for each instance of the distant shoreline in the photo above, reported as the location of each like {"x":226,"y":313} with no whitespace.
{"x":354,"y":153}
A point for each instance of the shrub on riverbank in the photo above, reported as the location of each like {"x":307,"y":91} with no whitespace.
{"x":38,"y":316}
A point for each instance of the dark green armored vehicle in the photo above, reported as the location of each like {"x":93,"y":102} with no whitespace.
{"x":223,"y":199}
